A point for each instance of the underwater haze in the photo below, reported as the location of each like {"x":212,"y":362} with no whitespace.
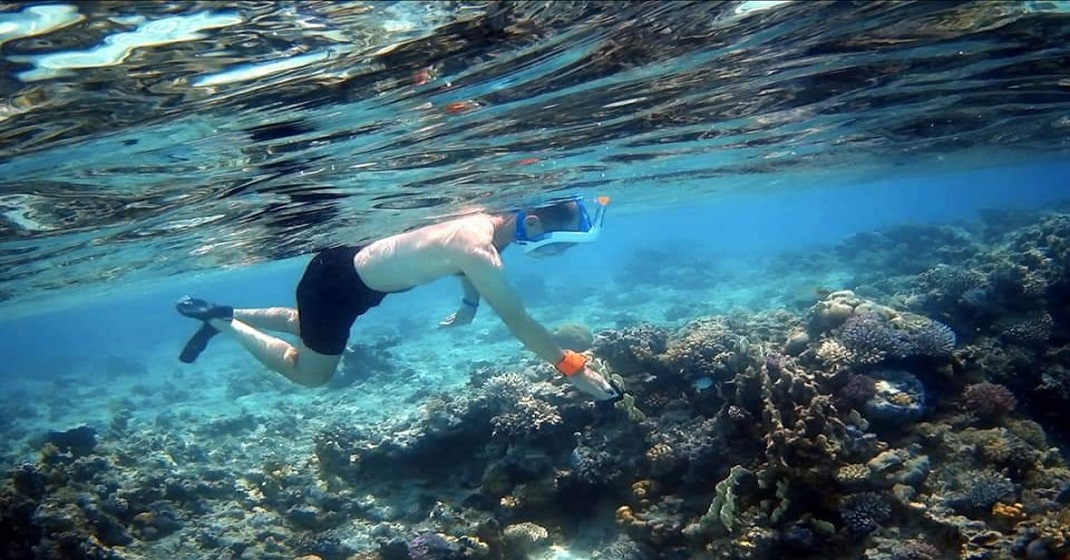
{"x":832,"y":283}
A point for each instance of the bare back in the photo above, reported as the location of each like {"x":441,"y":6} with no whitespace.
{"x":406,"y":260}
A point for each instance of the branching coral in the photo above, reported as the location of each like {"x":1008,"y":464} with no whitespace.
{"x":800,"y":425}
{"x":526,"y":417}
{"x":1031,"y":330}
{"x":518,"y":405}
{"x":869,"y":340}
{"x":914,"y":550}
{"x":862,"y":333}
{"x":983,"y":490}
{"x":833,"y":353}
{"x":988,"y":400}
{"x":926,"y":337}
{"x":865,"y":512}
{"x":951,"y":283}
{"x":632,"y":349}
{"x":505,"y":388}
{"x":706,"y":348}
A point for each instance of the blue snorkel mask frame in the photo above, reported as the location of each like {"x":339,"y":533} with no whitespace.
{"x":554,"y":242}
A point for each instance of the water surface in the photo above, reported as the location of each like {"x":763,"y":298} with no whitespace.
{"x":140,"y":140}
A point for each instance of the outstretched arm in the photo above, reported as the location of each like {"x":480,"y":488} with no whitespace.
{"x":483,"y":267}
{"x":483,"y":271}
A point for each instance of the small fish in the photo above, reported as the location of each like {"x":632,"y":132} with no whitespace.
{"x":456,"y":107}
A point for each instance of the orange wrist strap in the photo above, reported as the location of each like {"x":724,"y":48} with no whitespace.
{"x":571,"y":364}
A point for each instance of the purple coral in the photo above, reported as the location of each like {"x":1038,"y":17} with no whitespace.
{"x":933,"y":338}
{"x":869,"y":340}
{"x":864,"y":512}
{"x":433,"y":546}
{"x":914,"y":550}
{"x":988,"y":400}
{"x":859,"y":389}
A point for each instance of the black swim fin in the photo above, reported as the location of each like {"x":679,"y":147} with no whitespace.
{"x":197,"y":343}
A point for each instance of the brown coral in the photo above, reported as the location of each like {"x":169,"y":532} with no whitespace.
{"x":661,"y":458}
{"x":988,"y":400}
{"x":853,"y":475}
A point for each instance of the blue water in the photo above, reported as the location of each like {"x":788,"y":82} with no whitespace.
{"x":155,"y":150}
{"x":140,"y":321}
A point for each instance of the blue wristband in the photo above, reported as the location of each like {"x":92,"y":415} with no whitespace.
{"x":470,"y":303}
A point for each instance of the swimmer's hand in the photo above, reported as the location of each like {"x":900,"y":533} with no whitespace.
{"x":463,"y":316}
{"x":594,"y":384}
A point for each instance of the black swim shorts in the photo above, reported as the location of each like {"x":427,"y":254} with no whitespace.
{"x":330,"y":297}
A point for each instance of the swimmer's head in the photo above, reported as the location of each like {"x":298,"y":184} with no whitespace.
{"x":553,"y":228}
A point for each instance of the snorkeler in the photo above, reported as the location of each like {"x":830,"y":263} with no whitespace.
{"x":342,"y":283}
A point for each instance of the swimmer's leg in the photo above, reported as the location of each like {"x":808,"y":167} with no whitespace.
{"x":297,"y":363}
{"x":278,"y":319}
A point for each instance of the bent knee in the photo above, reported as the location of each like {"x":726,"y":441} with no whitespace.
{"x":316,"y":379}
{"x":315,"y":370}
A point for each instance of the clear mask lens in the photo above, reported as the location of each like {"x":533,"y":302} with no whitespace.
{"x":551,"y":250}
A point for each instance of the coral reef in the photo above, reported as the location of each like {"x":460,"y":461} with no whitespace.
{"x":919,"y":416}
{"x":988,"y":400}
{"x":898,"y":397}
{"x":864,"y":512}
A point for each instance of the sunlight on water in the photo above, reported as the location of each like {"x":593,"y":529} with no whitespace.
{"x":260,"y":70}
{"x":295,"y":126}
{"x":758,"y":5}
{"x":116,"y":48}
{"x":37,"y":20}
{"x":1054,"y":6}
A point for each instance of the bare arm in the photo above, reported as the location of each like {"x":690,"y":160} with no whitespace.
{"x":483,"y":271}
{"x":471,"y":294}
{"x":482,"y":267}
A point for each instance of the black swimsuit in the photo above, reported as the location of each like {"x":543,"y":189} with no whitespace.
{"x":330,"y":297}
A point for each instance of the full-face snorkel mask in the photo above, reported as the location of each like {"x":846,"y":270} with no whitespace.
{"x":555,"y":242}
